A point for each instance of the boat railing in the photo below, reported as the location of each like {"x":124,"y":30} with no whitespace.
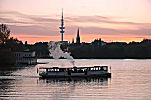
{"x":76,"y":69}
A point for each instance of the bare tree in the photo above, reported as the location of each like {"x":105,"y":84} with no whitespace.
{"x":4,"y":33}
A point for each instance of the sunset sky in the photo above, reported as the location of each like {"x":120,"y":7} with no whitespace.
{"x":111,"y":20}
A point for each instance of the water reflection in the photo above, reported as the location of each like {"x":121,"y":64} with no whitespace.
{"x":9,"y":77}
{"x":75,"y":88}
{"x":101,"y":81}
{"x":6,"y":86}
{"x":24,"y":83}
{"x":8,"y":70}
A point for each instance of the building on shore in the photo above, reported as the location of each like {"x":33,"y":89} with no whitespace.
{"x":26,"y":57}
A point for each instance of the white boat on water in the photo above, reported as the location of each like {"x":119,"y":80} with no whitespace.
{"x":71,"y":72}
{"x":81,"y":72}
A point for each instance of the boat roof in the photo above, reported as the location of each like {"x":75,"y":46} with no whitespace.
{"x":70,"y":67}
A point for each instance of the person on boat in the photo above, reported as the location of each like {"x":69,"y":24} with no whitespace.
{"x":86,"y":71}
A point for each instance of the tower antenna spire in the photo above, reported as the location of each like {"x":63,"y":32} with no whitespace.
{"x":62,"y":26}
{"x":62,"y":13}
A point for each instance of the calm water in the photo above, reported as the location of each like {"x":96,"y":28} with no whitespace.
{"x":131,"y":80}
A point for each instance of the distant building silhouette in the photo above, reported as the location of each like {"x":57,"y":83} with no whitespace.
{"x":62,"y":27}
{"x":98,"y":42}
{"x":78,"y":37}
{"x":26,"y":43}
{"x":73,"y":41}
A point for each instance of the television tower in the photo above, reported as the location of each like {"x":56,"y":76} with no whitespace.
{"x":62,"y":27}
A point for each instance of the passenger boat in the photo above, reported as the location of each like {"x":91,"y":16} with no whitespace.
{"x":75,"y":72}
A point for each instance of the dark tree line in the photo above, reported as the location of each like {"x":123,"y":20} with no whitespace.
{"x":41,"y":49}
{"x":115,"y":50}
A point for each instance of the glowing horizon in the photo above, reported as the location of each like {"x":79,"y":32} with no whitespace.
{"x":84,"y":38}
{"x":114,"y":20}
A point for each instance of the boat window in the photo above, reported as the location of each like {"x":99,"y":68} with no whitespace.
{"x":101,"y":68}
{"x":56,"y":70}
{"x":105,"y":68}
{"x":49,"y":70}
{"x":61,"y":70}
{"x":96,"y":68}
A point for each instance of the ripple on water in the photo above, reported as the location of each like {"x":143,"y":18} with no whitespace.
{"x":130,"y":81}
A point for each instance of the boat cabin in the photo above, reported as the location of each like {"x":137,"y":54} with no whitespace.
{"x":56,"y":72}
{"x":76,"y":69}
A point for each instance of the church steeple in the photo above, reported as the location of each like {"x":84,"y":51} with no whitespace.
{"x":62,"y":26}
{"x":78,"y":37}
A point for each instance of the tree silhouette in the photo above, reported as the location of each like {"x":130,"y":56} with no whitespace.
{"x":4,"y":33}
